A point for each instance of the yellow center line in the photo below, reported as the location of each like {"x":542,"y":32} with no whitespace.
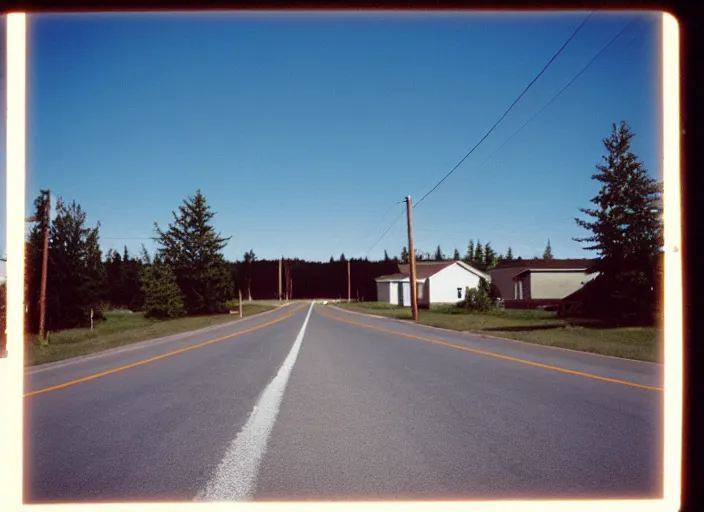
{"x":493,"y":354}
{"x":162,"y":356}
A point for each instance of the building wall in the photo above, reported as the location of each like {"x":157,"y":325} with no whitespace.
{"x":382,"y":292}
{"x":443,"y":285}
{"x":424,"y":293}
{"x":406,"y":293}
{"x":556,"y":284}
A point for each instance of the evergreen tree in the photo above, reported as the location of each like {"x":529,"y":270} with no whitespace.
{"x":386,"y":256}
{"x":132,"y":292}
{"x":478,"y":260}
{"x":192,"y":248}
{"x":469,"y":256}
{"x":627,"y":232}
{"x":439,"y":256}
{"x":490,"y":257}
{"x":342,"y":257}
{"x":77,"y":276}
{"x":33,"y":261}
{"x":332,"y":259}
{"x":162,"y":295}
{"x":248,"y":259}
{"x":509,"y":254}
{"x":547,"y":255}
{"x":405,"y":256}
{"x":456,"y":256}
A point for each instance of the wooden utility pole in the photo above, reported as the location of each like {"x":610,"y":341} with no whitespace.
{"x":281,"y":297}
{"x":45,"y":265}
{"x":349,"y":283}
{"x":240,"y":303}
{"x":412,"y":260}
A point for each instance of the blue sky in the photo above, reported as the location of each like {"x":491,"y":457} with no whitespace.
{"x":303,"y":130}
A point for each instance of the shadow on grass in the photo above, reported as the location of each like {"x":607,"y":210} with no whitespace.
{"x":524,"y":328}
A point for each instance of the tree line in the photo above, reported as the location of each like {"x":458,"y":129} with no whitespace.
{"x":480,"y":256}
{"x":189,"y":275}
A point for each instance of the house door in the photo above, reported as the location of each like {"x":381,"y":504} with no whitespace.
{"x":399,"y":288}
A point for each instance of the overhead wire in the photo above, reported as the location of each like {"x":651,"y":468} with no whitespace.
{"x":525,"y":90}
{"x":552,"y":100}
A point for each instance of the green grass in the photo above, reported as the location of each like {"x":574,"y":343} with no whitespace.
{"x":123,"y":328}
{"x":534,"y":326}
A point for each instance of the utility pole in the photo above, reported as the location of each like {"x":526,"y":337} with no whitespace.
{"x":45,"y":265}
{"x":281,"y":297}
{"x":412,"y":260}
{"x":349,"y":283}
{"x":240,"y":302}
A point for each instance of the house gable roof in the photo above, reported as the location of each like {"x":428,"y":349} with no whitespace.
{"x":427,"y":269}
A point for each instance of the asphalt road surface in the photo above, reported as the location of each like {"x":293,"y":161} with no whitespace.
{"x":309,"y":402}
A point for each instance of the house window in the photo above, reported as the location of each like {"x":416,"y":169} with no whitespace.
{"x":459,"y":293}
{"x":419,"y":291}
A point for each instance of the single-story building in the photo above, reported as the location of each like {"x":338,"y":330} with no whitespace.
{"x":529,"y":282}
{"x":438,"y":282}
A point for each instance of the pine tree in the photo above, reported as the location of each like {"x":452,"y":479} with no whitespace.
{"x":193,"y":250}
{"x":332,"y":259}
{"x":478,"y":254}
{"x":627,"y":231}
{"x":405,"y":256}
{"x":386,"y":256}
{"x":342,"y":257}
{"x":77,"y":276}
{"x":509,"y":254}
{"x":456,"y":256}
{"x":469,"y":256}
{"x":248,"y":259}
{"x":162,"y":295}
{"x":439,"y":256}
{"x":490,"y":257}
{"x":33,"y":261}
{"x":547,"y":255}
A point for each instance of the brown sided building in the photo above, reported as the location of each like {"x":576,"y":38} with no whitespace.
{"x":535,"y":283}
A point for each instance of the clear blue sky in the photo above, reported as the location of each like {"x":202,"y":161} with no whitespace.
{"x":303,"y":130}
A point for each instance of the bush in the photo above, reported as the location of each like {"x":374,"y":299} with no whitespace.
{"x":477,"y":299}
{"x":232,"y":305}
{"x":163,"y":298}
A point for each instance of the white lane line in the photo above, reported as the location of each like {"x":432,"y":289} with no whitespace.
{"x":236,"y":475}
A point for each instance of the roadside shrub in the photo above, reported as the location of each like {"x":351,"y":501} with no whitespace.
{"x":232,"y":305}
{"x":162,"y":296}
{"x":477,"y":299}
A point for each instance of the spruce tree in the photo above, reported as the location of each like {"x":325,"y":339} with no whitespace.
{"x":490,"y":257}
{"x":509,"y":254}
{"x":547,"y":254}
{"x":627,"y":232}
{"x":76,"y":275}
{"x":456,"y":256}
{"x":34,"y":248}
{"x":405,"y":256}
{"x":386,"y":256}
{"x":193,"y":249}
{"x":439,"y":256}
{"x":469,"y":256}
{"x":162,"y":295}
{"x":478,"y":254}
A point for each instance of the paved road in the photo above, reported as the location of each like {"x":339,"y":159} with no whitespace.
{"x":307,"y":404}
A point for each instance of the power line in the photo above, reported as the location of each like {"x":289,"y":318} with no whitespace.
{"x":552,"y":100}
{"x":569,"y":39}
{"x":385,"y":232}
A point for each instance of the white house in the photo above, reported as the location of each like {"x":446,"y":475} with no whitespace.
{"x":439,"y":282}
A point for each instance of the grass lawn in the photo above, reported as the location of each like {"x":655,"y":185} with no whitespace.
{"x":123,"y":328}
{"x":534,"y":326}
